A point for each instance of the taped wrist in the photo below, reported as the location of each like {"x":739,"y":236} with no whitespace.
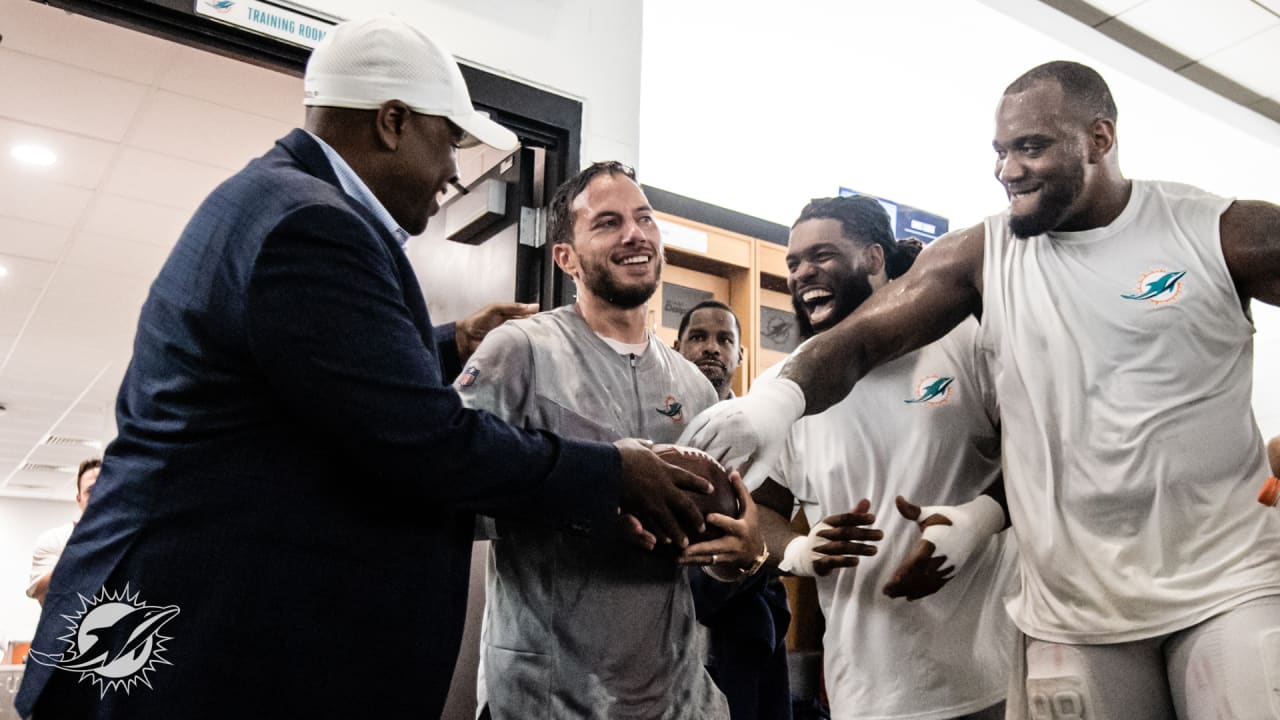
{"x":971,"y":524}
{"x":799,"y":554}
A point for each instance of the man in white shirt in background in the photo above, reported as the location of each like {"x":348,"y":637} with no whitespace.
{"x":51,"y":542}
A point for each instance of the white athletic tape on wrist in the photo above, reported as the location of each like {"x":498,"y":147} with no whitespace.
{"x":971,"y":524}
{"x":799,"y":554}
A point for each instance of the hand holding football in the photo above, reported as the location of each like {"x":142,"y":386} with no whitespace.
{"x":722,"y":500}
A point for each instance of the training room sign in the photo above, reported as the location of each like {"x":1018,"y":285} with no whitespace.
{"x":268,"y":19}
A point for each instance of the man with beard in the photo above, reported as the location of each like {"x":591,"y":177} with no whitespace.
{"x":746,"y":622}
{"x":595,"y":628}
{"x":1116,"y":317}
{"x":924,"y":425}
{"x":710,"y":337}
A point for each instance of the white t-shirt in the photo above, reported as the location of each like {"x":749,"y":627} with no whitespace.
{"x":48,"y":549}
{"x":923,"y":426}
{"x":1123,"y":363}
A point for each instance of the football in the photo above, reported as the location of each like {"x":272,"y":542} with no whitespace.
{"x":724,"y":500}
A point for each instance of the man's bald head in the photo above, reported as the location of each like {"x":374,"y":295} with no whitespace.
{"x":1086,"y":93}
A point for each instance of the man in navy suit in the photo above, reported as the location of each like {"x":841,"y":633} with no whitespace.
{"x":283,"y":525}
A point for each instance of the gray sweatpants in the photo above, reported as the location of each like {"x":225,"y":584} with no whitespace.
{"x":1225,"y":667}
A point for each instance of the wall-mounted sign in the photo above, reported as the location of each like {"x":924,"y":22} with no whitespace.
{"x":267,"y":19}
{"x":678,"y":300}
{"x":908,"y":221}
{"x":679,"y":236}
{"x":778,"y":330}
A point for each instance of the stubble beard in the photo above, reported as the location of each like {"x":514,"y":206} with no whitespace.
{"x":1056,"y":199}
{"x":597,"y":278}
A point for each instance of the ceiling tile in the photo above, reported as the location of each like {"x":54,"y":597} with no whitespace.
{"x":81,"y":161}
{"x":11,"y":323}
{"x":1220,"y":83}
{"x":1253,"y":63}
{"x":132,"y":219}
{"x":16,"y":305}
{"x":1270,"y":107}
{"x":235,"y":84}
{"x":38,"y":241}
{"x":39,"y":360}
{"x":25,"y":273}
{"x":48,"y":93}
{"x":32,"y":198}
{"x":1115,"y":7}
{"x":163,"y":179}
{"x":1117,"y":30}
{"x":22,"y":493}
{"x":45,"y":479}
{"x":66,"y":455}
{"x":41,"y":393}
{"x":73,"y":324}
{"x":37,"y":29}
{"x":114,"y":255}
{"x":1196,"y":28}
{"x":73,"y":280}
{"x":87,"y":421}
{"x":203,"y":131}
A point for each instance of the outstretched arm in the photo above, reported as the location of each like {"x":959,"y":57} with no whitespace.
{"x":940,"y":290}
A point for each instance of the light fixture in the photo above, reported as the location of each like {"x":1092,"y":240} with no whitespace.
{"x":3,"y":271}
{"x":34,"y":155}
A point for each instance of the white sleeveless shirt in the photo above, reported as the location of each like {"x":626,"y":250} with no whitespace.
{"x":1122,"y":361}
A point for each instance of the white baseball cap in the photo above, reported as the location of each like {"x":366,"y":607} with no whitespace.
{"x":361,"y":64}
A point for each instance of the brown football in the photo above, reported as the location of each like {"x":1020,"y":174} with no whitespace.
{"x":723,"y":500}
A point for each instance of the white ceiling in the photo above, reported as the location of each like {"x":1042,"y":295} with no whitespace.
{"x":144,"y":128}
{"x":1230,"y":46}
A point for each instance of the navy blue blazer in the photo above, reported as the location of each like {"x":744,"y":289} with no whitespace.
{"x":294,"y":474}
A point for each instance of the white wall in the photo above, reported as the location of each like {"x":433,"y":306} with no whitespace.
{"x":585,"y":49}
{"x":21,"y":521}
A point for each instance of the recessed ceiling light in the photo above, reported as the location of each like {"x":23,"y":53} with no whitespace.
{"x":34,"y":155}
{"x":3,"y":271}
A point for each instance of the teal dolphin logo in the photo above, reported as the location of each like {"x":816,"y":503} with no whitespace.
{"x":114,"y":641}
{"x":221,"y":6}
{"x":933,"y":393}
{"x":1158,"y":286}
{"x":673,"y":410}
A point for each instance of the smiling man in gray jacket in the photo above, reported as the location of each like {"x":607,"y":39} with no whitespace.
{"x":595,"y":627}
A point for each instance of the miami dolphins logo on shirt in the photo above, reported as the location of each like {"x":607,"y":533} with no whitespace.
{"x":932,"y":390}
{"x":673,"y":410}
{"x":1159,"y":286}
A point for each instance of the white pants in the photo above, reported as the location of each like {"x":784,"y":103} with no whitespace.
{"x":1227,"y":667}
